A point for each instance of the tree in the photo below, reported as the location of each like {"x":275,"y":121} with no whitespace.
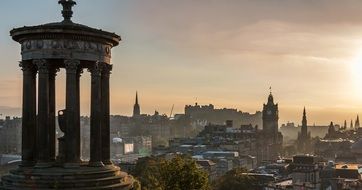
{"x":178,"y":173}
{"x":236,"y":179}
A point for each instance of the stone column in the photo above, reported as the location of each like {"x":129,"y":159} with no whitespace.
{"x":72,"y":131}
{"x":43,"y":147}
{"x":106,"y":70}
{"x":52,"y":114}
{"x":96,"y":108}
{"x":28,"y":147}
{"x":79,"y":73}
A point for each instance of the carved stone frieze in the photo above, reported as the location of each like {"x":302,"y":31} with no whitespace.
{"x":66,"y":49}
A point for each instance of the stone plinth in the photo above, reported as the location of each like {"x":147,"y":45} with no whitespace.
{"x":85,"y":177}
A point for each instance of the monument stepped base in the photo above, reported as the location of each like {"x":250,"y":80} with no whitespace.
{"x":85,"y":177}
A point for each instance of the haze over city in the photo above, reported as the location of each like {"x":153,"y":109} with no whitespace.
{"x":226,"y":53}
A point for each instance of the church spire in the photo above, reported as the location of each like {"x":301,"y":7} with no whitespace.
{"x":351,"y":125}
{"x":356,"y":124}
{"x":136,"y":107}
{"x":270,"y":98}
{"x":304,"y":124}
{"x":304,"y":113}
{"x":136,"y":98}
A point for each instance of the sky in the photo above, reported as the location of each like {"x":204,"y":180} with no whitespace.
{"x":227,"y":53}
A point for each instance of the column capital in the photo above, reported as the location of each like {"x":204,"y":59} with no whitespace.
{"x":79,"y":72}
{"x":71,"y":65}
{"x":53,"y":71}
{"x":106,"y":69}
{"x":96,"y":69}
{"x":27,"y":66}
{"x":42,"y":65}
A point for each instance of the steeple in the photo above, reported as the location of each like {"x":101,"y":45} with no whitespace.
{"x":270,"y":98}
{"x":356,"y":124}
{"x":136,"y":98}
{"x":345,"y":125}
{"x":136,"y":107}
{"x":331,"y":129}
{"x":351,"y":125}
{"x":304,"y":129}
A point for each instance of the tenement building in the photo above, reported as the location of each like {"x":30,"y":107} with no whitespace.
{"x":45,"y":50}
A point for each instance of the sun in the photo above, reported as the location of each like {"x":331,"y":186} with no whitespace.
{"x":356,"y":72}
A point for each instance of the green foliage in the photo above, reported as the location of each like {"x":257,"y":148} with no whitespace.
{"x":136,"y":185}
{"x":178,"y":173}
{"x":236,"y":180}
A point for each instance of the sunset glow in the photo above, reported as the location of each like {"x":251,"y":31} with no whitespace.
{"x":225,"y":53}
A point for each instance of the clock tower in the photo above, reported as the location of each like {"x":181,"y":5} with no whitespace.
{"x":270,"y":117}
{"x":270,"y":140}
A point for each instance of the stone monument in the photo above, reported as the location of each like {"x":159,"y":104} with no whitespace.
{"x":45,"y":50}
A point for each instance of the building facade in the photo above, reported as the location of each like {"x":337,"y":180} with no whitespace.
{"x":270,"y":140}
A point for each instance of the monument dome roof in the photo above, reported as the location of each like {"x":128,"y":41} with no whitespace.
{"x":64,"y":29}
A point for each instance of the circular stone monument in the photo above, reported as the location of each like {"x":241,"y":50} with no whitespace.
{"x":45,"y":50}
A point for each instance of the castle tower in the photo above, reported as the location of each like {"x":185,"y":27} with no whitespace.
{"x":136,"y":107}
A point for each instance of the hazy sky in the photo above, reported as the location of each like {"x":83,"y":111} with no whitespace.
{"x":225,"y":52}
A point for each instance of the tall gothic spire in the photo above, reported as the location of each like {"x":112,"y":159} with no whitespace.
{"x":351,"y":125}
{"x":304,"y":129}
{"x":356,"y":124}
{"x":136,"y":98}
{"x":304,"y":121}
{"x":136,"y":107}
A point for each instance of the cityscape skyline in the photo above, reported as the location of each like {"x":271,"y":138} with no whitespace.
{"x":179,"y":95}
{"x":214,"y":55}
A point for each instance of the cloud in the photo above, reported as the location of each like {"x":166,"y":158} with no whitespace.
{"x":224,"y":52}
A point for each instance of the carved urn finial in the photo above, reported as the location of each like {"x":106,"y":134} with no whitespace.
{"x":67,"y":9}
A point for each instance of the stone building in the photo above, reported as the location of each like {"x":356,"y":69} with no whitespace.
{"x":270,"y":140}
{"x":335,"y":176}
{"x":204,"y":114}
{"x":305,"y":172}
{"x":10,"y":135}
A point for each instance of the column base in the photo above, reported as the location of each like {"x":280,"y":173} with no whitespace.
{"x":84,"y":177}
{"x":96,"y":164}
{"x":107,"y":162}
{"x":71,"y":165}
{"x":43,"y":165}
{"x":25,"y":163}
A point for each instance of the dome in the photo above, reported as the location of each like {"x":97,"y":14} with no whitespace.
{"x":65,"y":40}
